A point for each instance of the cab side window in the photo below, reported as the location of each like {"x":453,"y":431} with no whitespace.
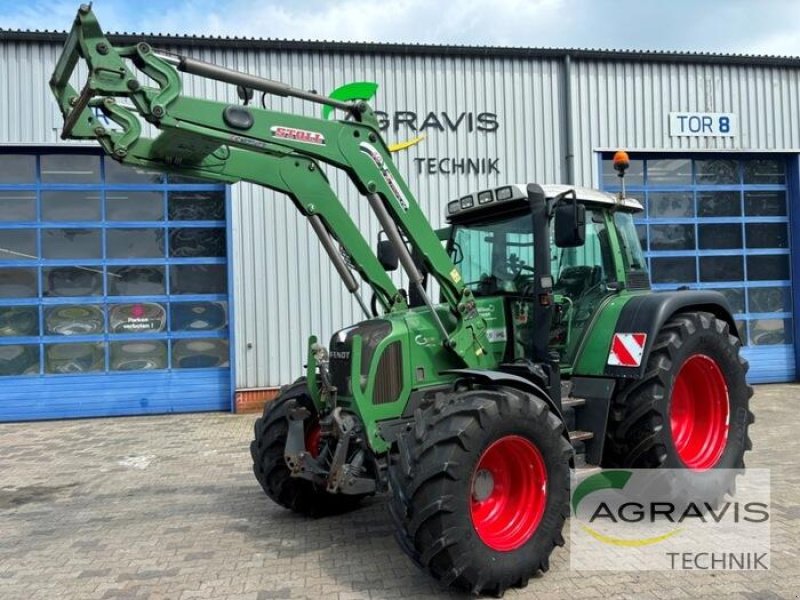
{"x":578,"y":271}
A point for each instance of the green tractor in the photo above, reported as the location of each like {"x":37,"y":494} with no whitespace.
{"x":546,"y":354}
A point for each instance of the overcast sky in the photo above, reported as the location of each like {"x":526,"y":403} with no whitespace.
{"x":730,"y":26}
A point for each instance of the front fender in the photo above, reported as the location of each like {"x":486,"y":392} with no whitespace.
{"x":491,"y":377}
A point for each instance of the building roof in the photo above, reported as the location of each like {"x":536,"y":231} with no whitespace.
{"x":668,"y":56}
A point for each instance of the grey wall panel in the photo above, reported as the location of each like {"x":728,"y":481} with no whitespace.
{"x":284,"y":287}
{"x":628,"y":104}
{"x":27,"y":113}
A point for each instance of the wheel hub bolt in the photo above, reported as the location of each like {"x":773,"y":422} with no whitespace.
{"x":483,"y":485}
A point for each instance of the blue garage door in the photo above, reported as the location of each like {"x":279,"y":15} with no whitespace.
{"x":722,"y":222}
{"x":113,"y":289}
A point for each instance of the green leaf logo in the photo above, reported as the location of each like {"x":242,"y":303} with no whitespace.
{"x":607,"y":480}
{"x":358,"y":90}
{"x":364,"y":90}
{"x":611,"y":480}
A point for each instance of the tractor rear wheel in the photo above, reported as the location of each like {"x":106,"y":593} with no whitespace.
{"x":299,"y":495}
{"x":691,"y":410}
{"x":480,"y":488}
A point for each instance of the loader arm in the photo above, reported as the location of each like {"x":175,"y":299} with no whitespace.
{"x":303,"y":181}
{"x":270,"y":148}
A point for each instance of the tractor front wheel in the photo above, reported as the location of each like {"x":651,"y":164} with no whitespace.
{"x":480,"y":488}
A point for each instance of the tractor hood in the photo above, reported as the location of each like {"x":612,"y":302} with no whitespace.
{"x":385,"y":358}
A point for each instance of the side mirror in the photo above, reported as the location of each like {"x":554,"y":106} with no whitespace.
{"x":570,"y":224}
{"x":387,"y":256}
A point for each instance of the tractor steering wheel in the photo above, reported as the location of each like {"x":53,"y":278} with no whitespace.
{"x":523,"y":283}
{"x":522,"y":267}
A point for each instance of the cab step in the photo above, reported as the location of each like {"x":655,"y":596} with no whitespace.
{"x":571,"y":402}
{"x":581,"y":473}
{"x":579,"y":436}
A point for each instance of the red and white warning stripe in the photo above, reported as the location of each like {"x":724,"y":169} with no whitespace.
{"x":627,"y":349}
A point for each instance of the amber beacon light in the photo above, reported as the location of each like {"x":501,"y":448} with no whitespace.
{"x":621,"y":162}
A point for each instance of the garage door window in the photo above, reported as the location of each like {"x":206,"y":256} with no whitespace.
{"x":719,"y":223}
{"x":106,"y":268}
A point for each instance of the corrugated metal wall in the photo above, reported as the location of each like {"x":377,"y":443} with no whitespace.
{"x":285,"y":289}
{"x":627,"y":105}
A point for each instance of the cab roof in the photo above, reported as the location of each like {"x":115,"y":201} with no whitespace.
{"x":588,"y":195}
{"x":518,"y":191}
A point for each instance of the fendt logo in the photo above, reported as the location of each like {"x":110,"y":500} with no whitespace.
{"x":420,"y":124}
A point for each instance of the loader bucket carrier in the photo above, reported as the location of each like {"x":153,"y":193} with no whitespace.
{"x":545,"y":354}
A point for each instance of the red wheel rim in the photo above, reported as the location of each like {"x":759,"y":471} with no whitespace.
{"x":508,"y":493}
{"x":699,"y":412}
{"x":314,"y":439}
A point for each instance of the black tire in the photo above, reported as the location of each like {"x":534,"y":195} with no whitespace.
{"x":431,"y":478}
{"x":299,"y":495}
{"x":640,"y":432}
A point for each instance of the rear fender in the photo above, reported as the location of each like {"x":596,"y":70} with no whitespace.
{"x":648,"y":313}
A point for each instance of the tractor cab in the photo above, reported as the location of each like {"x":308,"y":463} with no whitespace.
{"x":492,"y":243}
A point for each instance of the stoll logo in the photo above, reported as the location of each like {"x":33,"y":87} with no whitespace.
{"x":422,"y":123}
{"x":678,"y":519}
{"x":300,"y":135}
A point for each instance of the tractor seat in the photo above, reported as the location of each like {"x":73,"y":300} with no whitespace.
{"x":576,"y":281}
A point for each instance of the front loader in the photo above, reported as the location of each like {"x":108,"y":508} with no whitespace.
{"x":545,"y":354}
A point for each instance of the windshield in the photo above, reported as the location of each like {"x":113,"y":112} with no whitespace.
{"x":631,"y":248}
{"x":495,"y":257}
